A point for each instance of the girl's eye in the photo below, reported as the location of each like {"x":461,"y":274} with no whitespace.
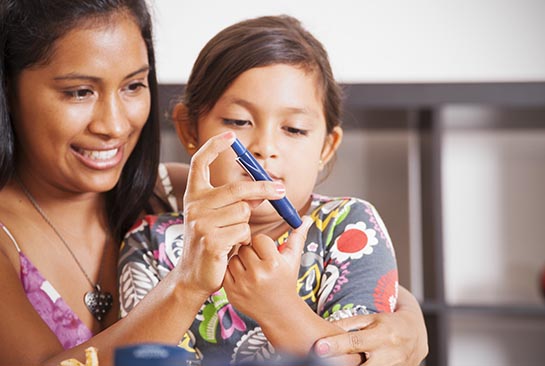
{"x":296,"y":131}
{"x":236,"y":122}
{"x":79,"y":94}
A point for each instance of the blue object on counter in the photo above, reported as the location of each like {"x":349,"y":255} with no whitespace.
{"x":153,"y":354}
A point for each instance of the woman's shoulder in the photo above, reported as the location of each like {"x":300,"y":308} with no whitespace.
{"x":11,"y":222}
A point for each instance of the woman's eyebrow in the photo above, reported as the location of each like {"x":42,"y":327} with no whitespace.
{"x":78,"y":76}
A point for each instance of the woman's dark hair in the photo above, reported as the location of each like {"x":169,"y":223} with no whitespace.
{"x":30,"y":29}
{"x":254,"y":43}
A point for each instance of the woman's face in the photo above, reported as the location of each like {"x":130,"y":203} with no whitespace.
{"x":277,"y":113}
{"x":78,"y":118}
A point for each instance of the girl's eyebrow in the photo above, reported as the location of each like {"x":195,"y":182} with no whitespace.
{"x":77,"y":76}
{"x":249,"y":105}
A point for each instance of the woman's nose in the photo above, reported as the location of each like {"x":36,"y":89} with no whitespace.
{"x":111,"y":119}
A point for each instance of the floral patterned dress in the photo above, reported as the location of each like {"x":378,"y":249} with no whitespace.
{"x":348,"y":267}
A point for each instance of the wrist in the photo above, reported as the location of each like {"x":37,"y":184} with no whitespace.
{"x":294,"y":330}
{"x":186,"y":291}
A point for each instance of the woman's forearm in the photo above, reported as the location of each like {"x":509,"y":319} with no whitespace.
{"x":163,"y":316}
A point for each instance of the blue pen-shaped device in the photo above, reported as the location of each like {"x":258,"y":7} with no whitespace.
{"x":283,"y":206}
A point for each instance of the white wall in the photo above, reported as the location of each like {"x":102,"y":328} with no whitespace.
{"x":378,"y":40}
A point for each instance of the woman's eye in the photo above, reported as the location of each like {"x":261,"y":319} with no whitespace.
{"x":136,"y":86}
{"x":79,"y":94}
{"x":236,"y":122}
{"x":296,"y":131}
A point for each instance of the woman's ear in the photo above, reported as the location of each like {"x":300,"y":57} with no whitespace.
{"x":331,"y":144}
{"x":186,"y":132}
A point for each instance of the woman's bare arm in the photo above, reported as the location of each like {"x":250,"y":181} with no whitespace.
{"x":387,"y":339}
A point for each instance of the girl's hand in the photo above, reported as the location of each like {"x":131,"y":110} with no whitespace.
{"x":261,"y":280}
{"x":386,"y":339}
{"x":216,"y":218}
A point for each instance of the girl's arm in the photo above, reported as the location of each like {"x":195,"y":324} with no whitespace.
{"x":261,"y":282}
{"x":359,"y":276}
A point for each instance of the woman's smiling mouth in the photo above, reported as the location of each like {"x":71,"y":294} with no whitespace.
{"x":99,"y":159}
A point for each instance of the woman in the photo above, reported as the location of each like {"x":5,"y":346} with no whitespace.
{"x":78,"y":160}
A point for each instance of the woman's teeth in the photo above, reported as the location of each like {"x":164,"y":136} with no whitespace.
{"x":99,"y":155}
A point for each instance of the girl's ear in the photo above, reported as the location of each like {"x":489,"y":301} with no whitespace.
{"x":186,"y":132}
{"x":331,"y":144}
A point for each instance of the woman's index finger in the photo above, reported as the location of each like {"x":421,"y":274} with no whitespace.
{"x":199,"y":167}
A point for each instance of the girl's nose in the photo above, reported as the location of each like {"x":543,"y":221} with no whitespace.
{"x":263,"y":145}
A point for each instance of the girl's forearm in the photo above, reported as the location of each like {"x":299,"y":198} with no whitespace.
{"x":295,"y":330}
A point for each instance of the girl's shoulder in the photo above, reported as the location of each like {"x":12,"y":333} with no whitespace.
{"x":169,"y":188}
{"x":152,"y":230}
{"x":325,"y":205}
{"x":339,"y":213}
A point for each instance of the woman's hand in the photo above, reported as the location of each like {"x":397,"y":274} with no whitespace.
{"x":216,"y":218}
{"x":386,"y":339}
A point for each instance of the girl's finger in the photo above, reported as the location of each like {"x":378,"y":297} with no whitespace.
{"x":264,"y":247}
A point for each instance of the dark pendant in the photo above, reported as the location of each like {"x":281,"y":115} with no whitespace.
{"x":98,"y":302}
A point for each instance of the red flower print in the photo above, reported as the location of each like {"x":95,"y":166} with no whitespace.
{"x":356,"y":240}
{"x":386,"y":292}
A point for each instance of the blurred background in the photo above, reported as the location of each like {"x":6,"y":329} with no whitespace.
{"x":444,"y":134}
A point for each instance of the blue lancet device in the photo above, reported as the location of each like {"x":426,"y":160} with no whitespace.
{"x":283,"y":206}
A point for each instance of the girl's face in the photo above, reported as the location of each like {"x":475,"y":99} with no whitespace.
{"x":78,"y":118}
{"x":277,"y":113}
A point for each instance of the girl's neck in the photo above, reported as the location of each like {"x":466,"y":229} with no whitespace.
{"x":275,"y":229}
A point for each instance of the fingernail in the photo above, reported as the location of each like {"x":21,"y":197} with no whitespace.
{"x":280,"y":189}
{"x":229,"y":135}
{"x":322,"y":349}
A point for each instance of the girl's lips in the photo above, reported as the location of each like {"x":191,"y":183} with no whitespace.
{"x":273,"y":177}
{"x":99,"y":159}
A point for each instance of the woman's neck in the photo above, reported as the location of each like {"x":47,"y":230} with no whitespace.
{"x":73,"y":209}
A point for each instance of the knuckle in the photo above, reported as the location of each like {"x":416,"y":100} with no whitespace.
{"x":245,"y":230}
{"x":267,"y":188}
{"x":235,"y":190}
{"x":244,"y":210}
{"x":196,"y":163}
{"x":355,"y":343}
{"x":197,"y":226}
{"x":396,"y":340}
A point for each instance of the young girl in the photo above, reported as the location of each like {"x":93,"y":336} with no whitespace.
{"x":268,"y":81}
